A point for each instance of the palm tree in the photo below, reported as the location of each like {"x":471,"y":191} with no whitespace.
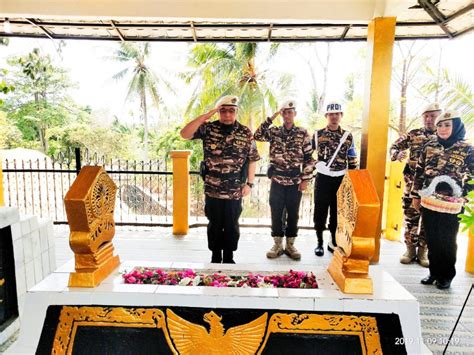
{"x":221,"y":69}
{"x":143,"y":83}
{"x":454,"y":93}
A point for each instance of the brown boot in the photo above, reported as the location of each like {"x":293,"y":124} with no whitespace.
{"x":422,"y":256}
{"x":409,"y":255}
{"x":290,"y":249}
{"x":277,"y":248}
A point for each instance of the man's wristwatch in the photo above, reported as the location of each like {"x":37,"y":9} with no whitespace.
{"x":250,"y":184}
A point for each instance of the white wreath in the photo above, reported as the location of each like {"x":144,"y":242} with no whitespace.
{"x":431,"y":189}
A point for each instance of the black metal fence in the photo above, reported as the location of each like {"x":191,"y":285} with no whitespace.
{"x":145,"y":191}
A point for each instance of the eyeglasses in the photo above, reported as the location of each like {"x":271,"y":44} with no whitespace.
{"x":229,"y":110}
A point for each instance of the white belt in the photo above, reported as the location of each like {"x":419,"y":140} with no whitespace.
{"x":322,"y":168}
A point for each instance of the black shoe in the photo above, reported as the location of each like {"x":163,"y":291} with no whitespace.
{"x":443,"y":284}
{"x":319,"y":251}
{"x":216,"y":256}
{"x":228,"y":257}
{"x":428,"y":280}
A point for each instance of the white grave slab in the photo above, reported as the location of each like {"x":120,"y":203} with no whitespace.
{"x":388,"y":297}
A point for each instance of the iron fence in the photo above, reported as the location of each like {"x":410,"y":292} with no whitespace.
{"x":144,"y":196}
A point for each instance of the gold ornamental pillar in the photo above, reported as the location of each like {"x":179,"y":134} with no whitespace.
{"x":380,"y":39}
{"x":357,"y":215}
{"x":181,"y":191}
{"x":90,"y":204}
{"x":394,"y":213}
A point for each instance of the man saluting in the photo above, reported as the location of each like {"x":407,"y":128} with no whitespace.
{"x":230,"y":157}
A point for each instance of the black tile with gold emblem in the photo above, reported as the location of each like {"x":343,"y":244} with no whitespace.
{"x":186,"y":330}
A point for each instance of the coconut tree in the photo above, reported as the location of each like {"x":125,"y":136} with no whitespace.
{"x":143,"y":83}
{"x":220,"y":69}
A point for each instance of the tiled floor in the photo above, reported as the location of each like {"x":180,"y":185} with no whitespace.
{"x":439,"y":309}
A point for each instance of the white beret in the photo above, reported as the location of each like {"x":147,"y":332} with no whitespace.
{"x":434,"y":106}
{"x":288,"y":104}
{"x":447,"y":115}
{"x":228,"y":100}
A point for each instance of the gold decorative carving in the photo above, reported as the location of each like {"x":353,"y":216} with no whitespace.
{"x":358,"y":211}
{"x":90,"y":204}
{"x":189,"y":338}
{"x":73,"y":317}
{"x":184,"y":337}
{"x":363,"y":327}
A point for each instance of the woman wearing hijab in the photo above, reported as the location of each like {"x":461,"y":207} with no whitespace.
{"x":447,"y":157}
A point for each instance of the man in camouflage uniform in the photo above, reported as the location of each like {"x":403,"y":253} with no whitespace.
{"x":449,"y":159}
{"x":414,"y":141}
{"x":228,"y":146}
{"x":335,"y":154}
{"x":291,"y":168}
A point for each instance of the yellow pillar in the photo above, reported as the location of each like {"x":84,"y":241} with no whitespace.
{"x":380,"y":39}
{"x":181,"y":191}
{"x":394,"y":212}
{"x":470,"y":252}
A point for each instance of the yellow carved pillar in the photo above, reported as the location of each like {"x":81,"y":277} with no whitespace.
{"x":394,"y":211}
{"x":181,"y":191}
{"x":380,"y":39}
{"x":470,"y":252}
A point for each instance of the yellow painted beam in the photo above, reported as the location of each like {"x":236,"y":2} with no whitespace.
{"x":470,"y":252}
{"x":380,"y":39}
{"x":396,"y":186}
{"x":181,"y":191}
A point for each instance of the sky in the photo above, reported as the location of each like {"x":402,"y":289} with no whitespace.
{"x":90,"y":68}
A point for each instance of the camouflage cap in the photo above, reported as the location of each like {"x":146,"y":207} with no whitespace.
{"x":447,"y":115}
{"x":434,"y":106}
{"x":288,"y":104}
{"x":228,"y":100}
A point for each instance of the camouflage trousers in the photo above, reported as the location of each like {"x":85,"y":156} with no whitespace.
{"x":414,"y":231}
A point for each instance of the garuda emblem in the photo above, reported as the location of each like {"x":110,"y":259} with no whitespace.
{"x":190,"y":338}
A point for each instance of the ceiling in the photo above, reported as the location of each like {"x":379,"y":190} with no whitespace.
{"x":122,"y":22}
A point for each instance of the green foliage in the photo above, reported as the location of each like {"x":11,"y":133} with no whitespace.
{"x":231,"y":69}
{"x":40,"y":100}
{"x":467,"y":218}
{"x":455,"y":92}
{"x":171,"y":140}
{"x":143,"y":83}
{"x":10,"y":135}
{"x":102,"y":140}
{"x":5,"y":87}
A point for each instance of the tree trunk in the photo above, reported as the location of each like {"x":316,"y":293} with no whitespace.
{"x":325,"y":66}
{"x":43,"y":140}
{"x":145,"y":125}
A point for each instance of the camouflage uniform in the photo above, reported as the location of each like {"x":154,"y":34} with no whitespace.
{"x":226,"y":149}
{"x":414,"y":141}
{"x":441,"y":229}
{"x":291,"y":163}
{"x":326,"y":142}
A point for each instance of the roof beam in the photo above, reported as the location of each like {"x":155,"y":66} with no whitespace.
{"x":436,"y":15}
{"x":42,"y":28}
{"x":117,"y":30}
